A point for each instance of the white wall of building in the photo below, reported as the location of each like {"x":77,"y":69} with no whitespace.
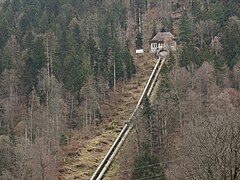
{"x":155,"y":46}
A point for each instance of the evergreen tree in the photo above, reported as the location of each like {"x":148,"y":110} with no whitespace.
{"x":147,"y":109}
{"x":4,"y":32}
{"x":5,"y":61}
{"x":121,"y":14}
{"x":104,"y":46}
{"x":147,"y":165}
{"x":231,"y":42}
{"x":169,"y":63}
{"x":3,"y":122}
{"x":74,"y":75}
{"x":163,"y":29}
{"x":164,"y":25}
{"x":185,"y":29}
{"x":138,"y":41}
{"x":117,"y":59}
{"x":219,"y":62}
{"x":190,"y":58}
{"x":35,"y":61}
{"x":148,"y":114}
{"x":184,"y":60}
{"x":154,"y":30}
{"x":93,"y":54}
{"x":170,"y":24}
{"x":130,"y":68}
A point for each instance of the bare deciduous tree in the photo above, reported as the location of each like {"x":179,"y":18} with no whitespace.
{"x":213,"y":144}
{"x":91,"y":101}
{"x":216,"y":45}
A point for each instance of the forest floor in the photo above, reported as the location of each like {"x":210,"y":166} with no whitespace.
{"x":87,"y":148}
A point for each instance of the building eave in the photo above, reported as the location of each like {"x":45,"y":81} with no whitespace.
{"x":155,"y":41}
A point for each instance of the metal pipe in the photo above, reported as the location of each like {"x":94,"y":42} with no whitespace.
{"x":123,"y":134}
{"x":115,"y":152}
{"x":146,"y":87}
{"x":155,"y":78}
{"x":109,"y":152}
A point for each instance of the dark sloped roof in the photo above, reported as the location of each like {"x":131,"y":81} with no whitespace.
{"x":161,"y":35}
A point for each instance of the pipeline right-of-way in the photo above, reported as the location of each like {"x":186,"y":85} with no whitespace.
{"x":105,"y":163}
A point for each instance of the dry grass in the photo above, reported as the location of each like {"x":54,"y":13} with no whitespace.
{"x":86,"y":150}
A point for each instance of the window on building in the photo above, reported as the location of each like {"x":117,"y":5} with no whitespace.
{"x":154,"y":45}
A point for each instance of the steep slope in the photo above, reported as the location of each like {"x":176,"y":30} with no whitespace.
{"x":118,"y":107}
{"x":89,"y":150}
{"x":126,"y":154}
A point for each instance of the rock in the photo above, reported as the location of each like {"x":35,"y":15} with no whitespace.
{"x":62,"y":170}
{"x":76,"y":177}
{"x":80,"y":166}
{"x":98,"y":150}
{"x":99,"y":134}
{"x":75,"y":153}
{"x":103,"y":142}
{"x":90,"y":150}
{"x":118,"y":130}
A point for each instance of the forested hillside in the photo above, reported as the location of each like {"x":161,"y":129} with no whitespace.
{"x":61,"y":61}
{"x":191,"y":129}
{"x":58,"y":60}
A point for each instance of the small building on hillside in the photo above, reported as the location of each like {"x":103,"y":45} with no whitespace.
{"x":163,"y":40}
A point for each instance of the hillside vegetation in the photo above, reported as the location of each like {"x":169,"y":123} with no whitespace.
{"x":69,"y":78}
{"x":191,"y":129}
{"x":59,"y":60}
